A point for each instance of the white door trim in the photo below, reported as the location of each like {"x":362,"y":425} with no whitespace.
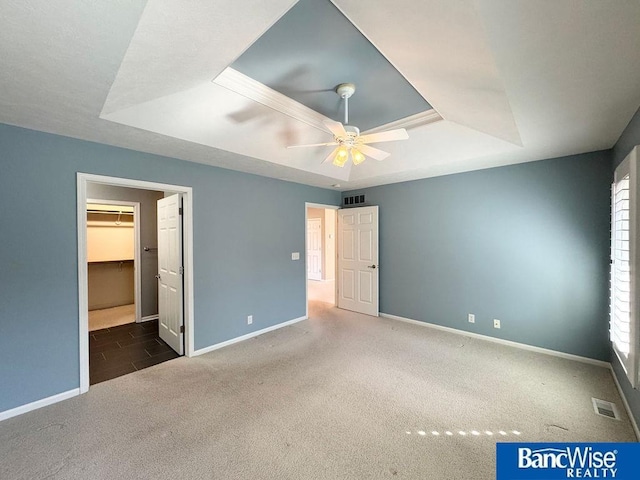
{"x":137,"y":277}
{"x":308,"y":205}
{"x":83,"y":316}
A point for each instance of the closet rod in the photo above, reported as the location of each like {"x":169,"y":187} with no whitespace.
{"x":110,"y":212}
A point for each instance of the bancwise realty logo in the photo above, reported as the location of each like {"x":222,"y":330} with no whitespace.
{"x":550,"y":461}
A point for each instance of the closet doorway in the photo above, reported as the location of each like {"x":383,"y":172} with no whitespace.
{"x":113,"y":242}
{"x":122,"y":288}
{"x":91,"y":186}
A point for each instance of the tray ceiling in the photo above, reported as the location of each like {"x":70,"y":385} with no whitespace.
{"x":313,"y":48}
{"x":509,"y":82}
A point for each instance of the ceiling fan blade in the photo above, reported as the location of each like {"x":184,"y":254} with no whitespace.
{"x":331,"y":156}
{"x":313,"y":145}
{"x":388,"y":136}
{"x":373,"y":152}
{"x":336,"y":128}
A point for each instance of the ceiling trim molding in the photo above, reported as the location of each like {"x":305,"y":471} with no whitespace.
{"x":412,"y":121}
{"x":248,"y":87}
{"x":241,"y":84}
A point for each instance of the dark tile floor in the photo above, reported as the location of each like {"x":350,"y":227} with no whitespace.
{"x":120,"y":350}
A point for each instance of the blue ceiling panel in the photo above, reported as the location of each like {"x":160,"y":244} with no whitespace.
{"x":312,"y":49}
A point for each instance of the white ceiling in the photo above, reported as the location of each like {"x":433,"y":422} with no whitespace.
{"x":514,"y":81}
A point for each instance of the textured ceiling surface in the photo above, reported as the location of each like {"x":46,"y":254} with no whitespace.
{"x":514,"y":81}
{"x":313,"y":48}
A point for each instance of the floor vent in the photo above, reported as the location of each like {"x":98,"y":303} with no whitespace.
{"x":605,"y":409}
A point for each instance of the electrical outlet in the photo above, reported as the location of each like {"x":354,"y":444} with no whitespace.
{"x":472,"y":318}
{"x":496,"y":323}
{"x":249,"y":319}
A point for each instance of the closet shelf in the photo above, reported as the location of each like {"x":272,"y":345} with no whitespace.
{"x":111,"y":261}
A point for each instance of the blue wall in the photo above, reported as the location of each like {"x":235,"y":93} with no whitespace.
{"x":245,"y":228}
{"x":629,"y":139}
{"x":527,"y":244}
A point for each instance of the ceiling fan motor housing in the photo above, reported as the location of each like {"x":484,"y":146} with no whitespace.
{"x":350,"y":139}
{"x":352,"y":130}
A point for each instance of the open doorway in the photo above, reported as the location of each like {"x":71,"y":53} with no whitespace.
{"x":112,"y":263}
{"x":321,"y":221}
{"x":122,"y":264}
{"x":122,"y":272}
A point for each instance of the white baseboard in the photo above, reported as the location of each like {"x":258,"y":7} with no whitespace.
{"x":76,"y":391}
{"x":211,"y":348}
{"x":38,"y":404}
{"x":148,"y":318}
{"x":509,"y":343}
{"x":625,"y":403}
{"x":531,"y":348}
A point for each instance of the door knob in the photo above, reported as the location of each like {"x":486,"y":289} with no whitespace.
{"x":158,"y":276}
{"x":372,"y":266}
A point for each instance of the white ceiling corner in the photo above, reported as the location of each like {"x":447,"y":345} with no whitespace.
{"x":178,"y":45}
{"x":441,"y":49}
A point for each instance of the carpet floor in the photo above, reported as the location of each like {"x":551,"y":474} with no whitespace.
{"x":322,"y":291}
{"x":338,"y":396}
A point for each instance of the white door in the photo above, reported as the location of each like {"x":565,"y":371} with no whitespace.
{"x":171,"y":321}
{"x":314,"y":249}
{"x":358,"y":259}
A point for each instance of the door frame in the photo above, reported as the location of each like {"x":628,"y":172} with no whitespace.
{"x":187,"y":245}
{"x":137,"y":277}
{"x":308,"y":205}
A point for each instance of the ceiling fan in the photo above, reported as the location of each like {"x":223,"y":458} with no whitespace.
{"x":347,"y":138}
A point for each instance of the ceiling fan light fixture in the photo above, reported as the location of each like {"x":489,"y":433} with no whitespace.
{"x":341,"y":157}
{"x":350,"y":144}
{"x":357,"y":156}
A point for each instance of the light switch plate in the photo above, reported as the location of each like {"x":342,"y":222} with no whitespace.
{"x":295,"y":256}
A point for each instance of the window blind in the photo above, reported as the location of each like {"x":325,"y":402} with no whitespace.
{"x":621,"y":271}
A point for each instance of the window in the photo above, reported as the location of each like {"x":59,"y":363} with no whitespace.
{"x":624,"y":321}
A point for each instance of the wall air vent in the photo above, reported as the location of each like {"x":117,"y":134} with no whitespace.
{"x":605,"y":409}
{"x":353,"y":201}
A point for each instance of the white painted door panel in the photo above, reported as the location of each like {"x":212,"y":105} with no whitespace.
{"x":358,"y":260}
{"x":314,"y":249}
{"x":170,"y":311}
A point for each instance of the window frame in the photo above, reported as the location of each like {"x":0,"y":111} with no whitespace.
{"x":629,"y":166}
